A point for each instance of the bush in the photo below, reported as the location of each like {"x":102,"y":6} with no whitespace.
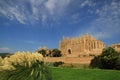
{"x":43,"y":52}
{"x":57,"y":64}
{"x":3,"y":55}
{"x":109,"y":59}
{"x":56,"y":53}
{"x":118,"y":63}
{"x":24,"y":66}
{"x":67,"y":66}
{"x":95,"y":62}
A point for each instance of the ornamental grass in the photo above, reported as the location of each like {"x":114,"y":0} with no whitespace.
{"x":24,"y":66}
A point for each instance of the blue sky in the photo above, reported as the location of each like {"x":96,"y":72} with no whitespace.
{"x":27,"y":25}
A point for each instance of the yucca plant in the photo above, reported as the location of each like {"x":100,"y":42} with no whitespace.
{"x":26,"y":66}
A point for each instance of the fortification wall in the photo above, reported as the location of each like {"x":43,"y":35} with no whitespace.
{"x":73,"y":60}
{"x":84,"y":45}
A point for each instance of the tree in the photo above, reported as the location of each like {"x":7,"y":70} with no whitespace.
{"x":43,"y":52}
{"x":118,"y":63}
{"x":56,"y":53}
{"x":95,"y":62}
{"x":109,"y":59}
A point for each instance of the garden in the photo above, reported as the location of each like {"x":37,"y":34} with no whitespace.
{"x":31,"y":66}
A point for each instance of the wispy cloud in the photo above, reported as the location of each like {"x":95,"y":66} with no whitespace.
{"x":54,"y":6}
{"x":31,"y":11}
{"x":105,"y":25}
{"x":108,"y":22}
{"x":5,"y":49}
{"x":89,"y":3}
{"x":12,"y":11}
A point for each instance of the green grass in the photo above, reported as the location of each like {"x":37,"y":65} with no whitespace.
{"x":84,"y":74}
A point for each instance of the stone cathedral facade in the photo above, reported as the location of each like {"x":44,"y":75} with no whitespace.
{"x":82,"y":46}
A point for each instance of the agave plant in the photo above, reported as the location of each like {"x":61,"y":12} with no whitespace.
{"x":26,"y":66}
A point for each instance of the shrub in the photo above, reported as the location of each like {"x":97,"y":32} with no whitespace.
{"x":56,"y":64}
{"x":43,"y":52}
{"x":118,"y":63}
{"x":25,"y":66}
{"x":56,"y":53}
{"x":95,"y":62}
{"x":109,"y":59}
{"x":3,"y":55}
{"x":67,"y":65}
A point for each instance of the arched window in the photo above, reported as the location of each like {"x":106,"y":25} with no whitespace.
{"x":69,"y":51}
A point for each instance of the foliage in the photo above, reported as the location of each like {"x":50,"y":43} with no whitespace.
{"x":56,"y":53}
{"x":67,"y":66}
{"x":118,"y":63}
{"x":1,"y":60}
{"x":3,"y":55}
{"x":24,"y":66}
{"x":56,"y":64}
{"x":95,"y":62}
{"x":43,"y":52}
{"x":109,"y":59}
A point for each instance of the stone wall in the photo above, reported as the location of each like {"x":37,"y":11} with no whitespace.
{"x":116,"y":47}
{"x":80,"y":46}
{"x":73,"y":60}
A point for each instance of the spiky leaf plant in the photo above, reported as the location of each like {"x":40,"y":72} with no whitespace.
{"x":26,"y":66}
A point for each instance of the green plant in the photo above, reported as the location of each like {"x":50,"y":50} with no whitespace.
{"x":56,"y":64}
{"x":43,"y":52}
{"x":56,"y":53}
{"x":109,"y":59}
{"x":25,"y":66}
{"x":67,"y":66}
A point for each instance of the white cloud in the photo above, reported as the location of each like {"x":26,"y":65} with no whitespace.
{"x":31,"y":11}
{"x":44,"y":17}
{"x":56,"y":6}
{"x":5,"y":49}
{"x":36,"y":7}
{"x":51,"y":5}
{"x":15,"y":13}
{"x":89,"y":3}
{"x":108,"y":22}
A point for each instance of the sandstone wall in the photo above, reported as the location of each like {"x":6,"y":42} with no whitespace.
{"x":74,"y":60}
{"x":116,"y":47}
{"x":84,"y":45}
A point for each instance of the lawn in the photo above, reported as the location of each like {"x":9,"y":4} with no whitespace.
{"x":84,"y":74}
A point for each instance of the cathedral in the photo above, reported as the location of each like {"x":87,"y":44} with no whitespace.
{"x":82,"y":46}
